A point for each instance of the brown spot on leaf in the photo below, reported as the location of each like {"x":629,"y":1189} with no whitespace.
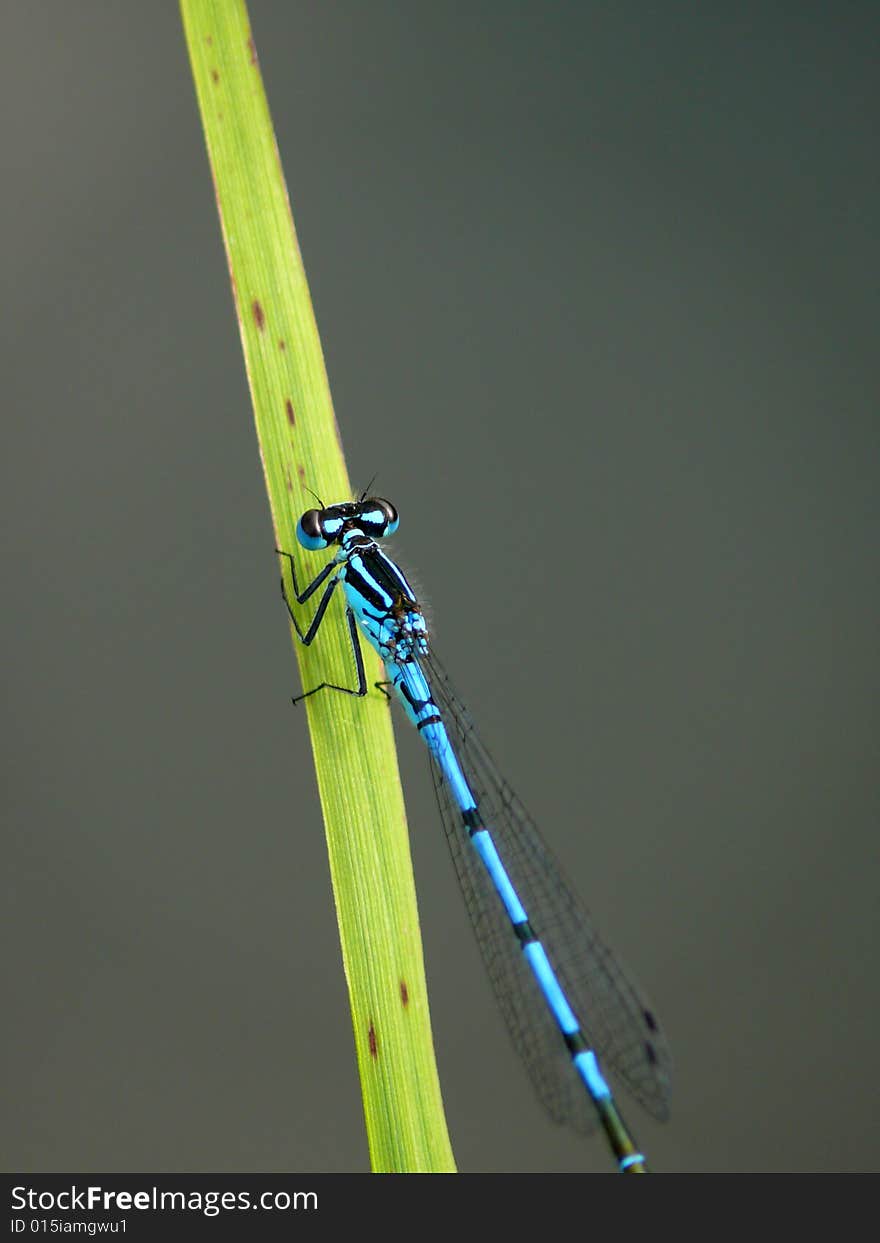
{"x":301,"y":471}
{"x":404,"y":993}
{"x":282,"y":344}
{"x":252,"y":49}
{"x":288,"y":481}
{"x":374,"y":1043}
{"x":209,"y":39}
{"x":259,"y":315}
{"x":291,"y":417}
{"x":215,"y":75}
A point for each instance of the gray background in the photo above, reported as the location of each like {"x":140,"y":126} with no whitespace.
{"x":598,"y":291}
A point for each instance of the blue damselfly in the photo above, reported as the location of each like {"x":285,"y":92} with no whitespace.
{"x":565,"y":998}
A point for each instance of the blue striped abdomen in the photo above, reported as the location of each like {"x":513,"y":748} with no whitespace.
{"x":415,"y":693}
{"x":418,"y":702}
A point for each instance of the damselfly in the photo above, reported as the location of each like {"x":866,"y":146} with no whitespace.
{"x":566,"y":1000}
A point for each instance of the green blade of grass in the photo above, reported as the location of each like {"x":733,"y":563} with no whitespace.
{"x":352,"y":740}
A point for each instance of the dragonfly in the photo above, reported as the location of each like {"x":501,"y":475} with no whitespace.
{"x":566,"y":999}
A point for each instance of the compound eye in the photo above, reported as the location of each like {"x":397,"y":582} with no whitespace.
{"x":310,"y":530}
{"x":392,"y":520}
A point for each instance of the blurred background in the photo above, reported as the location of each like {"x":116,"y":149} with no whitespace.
{"x":598,"y":292}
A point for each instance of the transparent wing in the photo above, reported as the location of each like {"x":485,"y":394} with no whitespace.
{"x":614,"y":1015}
